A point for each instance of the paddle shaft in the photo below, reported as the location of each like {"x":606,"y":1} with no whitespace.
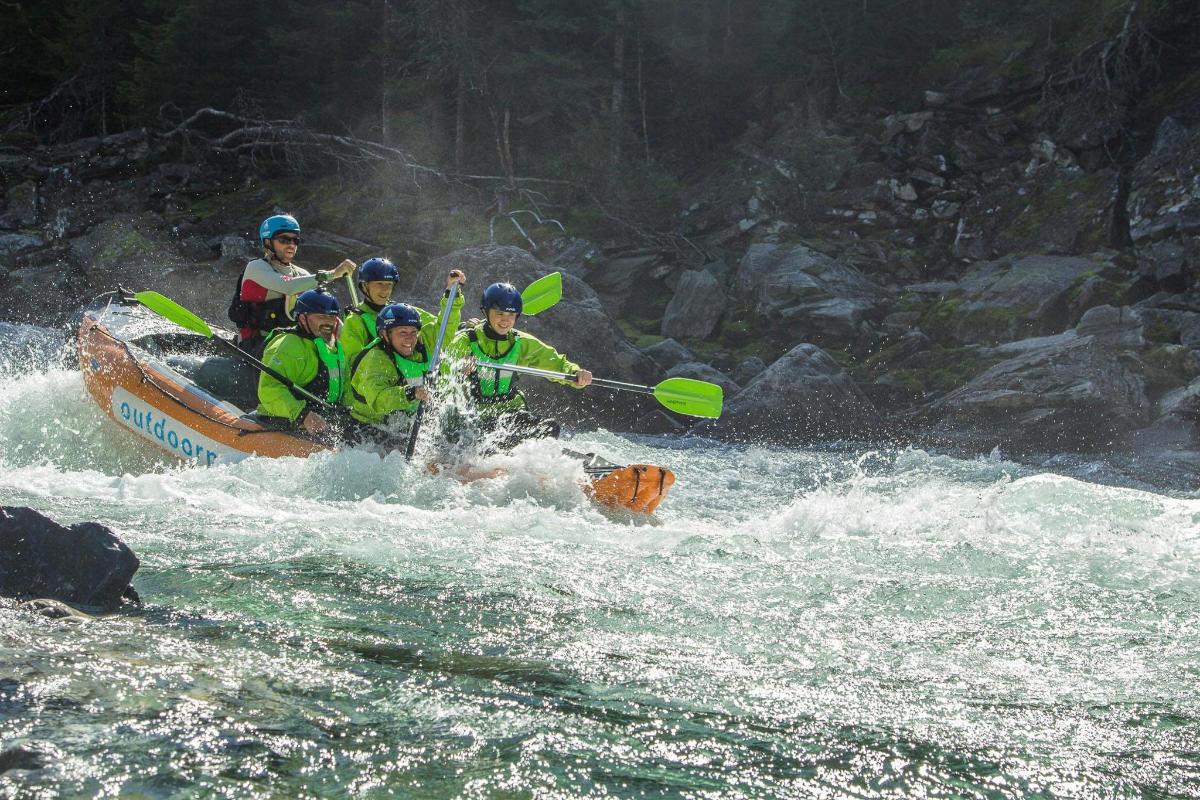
{"x":429,"y":376}
{"x":353,"y":291}
{"x":569,"y":376}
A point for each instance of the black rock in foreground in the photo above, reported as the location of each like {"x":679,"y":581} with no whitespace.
{"x":86,"y":564}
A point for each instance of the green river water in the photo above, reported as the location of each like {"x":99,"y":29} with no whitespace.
{"x":795,"y":623}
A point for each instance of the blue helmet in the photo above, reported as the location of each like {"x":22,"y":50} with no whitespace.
{"x":501,"y":296}
{"x":396,"y":315}
{"x":277,"y":224}
{"x":378,"y":269}
{"x":315,"y":301}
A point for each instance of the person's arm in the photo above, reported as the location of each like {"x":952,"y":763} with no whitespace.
{"x":288,"y":356}
{"x":260,"y":274}
{"x":536,"y":353}
{"x":380,"y":385}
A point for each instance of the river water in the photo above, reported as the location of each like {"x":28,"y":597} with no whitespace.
{"x":795,"y":623}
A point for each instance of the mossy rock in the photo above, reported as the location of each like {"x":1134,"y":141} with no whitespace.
{"x":127,"y":245}
{"x":1168,"y":366}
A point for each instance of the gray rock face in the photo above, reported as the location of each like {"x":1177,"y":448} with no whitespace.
{"x":1080,"y":391}
{"x":668,"y":353}
{"x":1162,"y":197}
{"x":748,"y":370}
{"x":804,"y":396}
{"x":12,"y":244}
{"x":1012,"y":298}
{"x":808,"y":290}
{"x":86,"y":564}
{"x":695,"y":307}
{"x":614,"y":279}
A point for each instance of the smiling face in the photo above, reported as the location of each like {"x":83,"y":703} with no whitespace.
{"x":378,"y":292}
{"x":323,"y":325}
{"x":403,"y":339}
{"x":501,"y":321}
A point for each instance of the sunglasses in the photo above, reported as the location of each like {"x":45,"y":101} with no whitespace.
{"x":287,"y":239}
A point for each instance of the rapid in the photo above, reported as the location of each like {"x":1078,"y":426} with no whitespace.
{"x":838,"y":622}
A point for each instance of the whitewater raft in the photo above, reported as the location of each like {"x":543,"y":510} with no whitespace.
{"x":172,"y":389}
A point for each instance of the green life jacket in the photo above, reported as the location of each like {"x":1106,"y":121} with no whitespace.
{"x":369,"y":320}
{"x":412,"y":372}
{"x":331,"y":372}
{"x":489,"y":385}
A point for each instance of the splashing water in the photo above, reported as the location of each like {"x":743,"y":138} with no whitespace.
{"x":795,"y":624}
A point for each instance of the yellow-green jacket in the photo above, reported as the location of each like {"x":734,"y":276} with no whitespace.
{"x":383,"y":380}
{"x":307,"y":362}
{"x":359,"y":328}
{"x":495,"y":390}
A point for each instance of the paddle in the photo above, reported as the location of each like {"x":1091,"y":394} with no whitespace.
{"x":541,"y":294}
{"x":415,"y":428}
{"x":170,"y":310}
{"x":353,"y":291}
{"x":681,"y":395}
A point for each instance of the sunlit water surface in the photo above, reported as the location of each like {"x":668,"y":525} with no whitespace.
{"x":844,"y":623}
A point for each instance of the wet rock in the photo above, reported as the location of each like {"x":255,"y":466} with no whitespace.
{"x":695,"y":307}
{"x":53,"y":609}
{"x":22,"y":757}
{"x":747,"y":370}
{"x":804,"y":396}
{"x":86,"y":564}
{"x":668,"y":353}
{"x":13,"y":244}
{"x":1083,"y":390}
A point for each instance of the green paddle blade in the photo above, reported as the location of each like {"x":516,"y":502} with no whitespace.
{"x":169,"y":309}
{"x":692,"y":397}
{"x":542,"y":294}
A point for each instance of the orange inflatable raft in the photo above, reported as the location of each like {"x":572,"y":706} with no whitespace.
{"x":159,"y":384}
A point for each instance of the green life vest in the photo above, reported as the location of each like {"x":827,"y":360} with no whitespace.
{"x":369,"y":320}
{"x":412,"y":372}
{"x":489,"y":385}
{"x":331,"y":371}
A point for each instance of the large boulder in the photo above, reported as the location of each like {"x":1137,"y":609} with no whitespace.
{"x":808,"y":292}
{"x":695,"y":307}
{"x":86,"y":564}
{"x":1011,"y":298}
{"x":578,"y":327}
{"x":803,"y":396}
{"x":1084,"y":390}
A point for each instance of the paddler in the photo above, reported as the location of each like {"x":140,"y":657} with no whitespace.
{"x":310,"y":356}
{"x":377,"y":277}
{"x":494,"y":391}
{"x":389,"y":373}
{"x":270,"y":284}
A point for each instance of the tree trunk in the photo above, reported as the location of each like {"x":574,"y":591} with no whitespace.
{"x":460,"y":120}
{"x":618,"y":85}
{"x":641,"y":89}
{"x":385,"y":75}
